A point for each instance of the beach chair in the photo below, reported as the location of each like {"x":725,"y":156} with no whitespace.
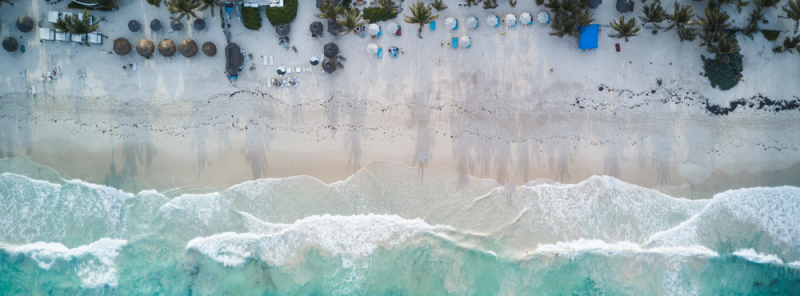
{"x":399,"y":31}
{"x":433,"y":26}
{"x":455,"y":42}
{"x":393,"y":52}
{"x":297,"y":70}
{"x":380,"y":52}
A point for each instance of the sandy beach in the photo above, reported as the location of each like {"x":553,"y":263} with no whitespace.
{"x":518,"y":105}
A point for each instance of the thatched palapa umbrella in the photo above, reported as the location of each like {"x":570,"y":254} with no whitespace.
{"x":188,"y":48}
{"x":329,"y":65}
{"x":122,"y":46}
{"x":166,"y":47}
{"x":134,"y":26}
{"x":334,"y":28}
{"x":176,"y":24}
{"x":316,"y":28}
{"x":283,"y":30}
{"x":209,"y":49}
{"x":331,"y":50}
{"x":199,"y":25}
{"x":624,"y":6}
{"x":10,"y":44}
{"x":155,"y":25}
{"x":25,"y":24}
{"x":145,"y":48}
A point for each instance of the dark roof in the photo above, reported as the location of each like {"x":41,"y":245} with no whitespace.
{"x":594,"y":3}
{"x":176,"y":25}
{"x":624,"y":6}
{"x":331,"y":50}
{"x":316,"y":28}
{"x":199,"y":25}
{"x":334,"y":2}
{"x":10,"y":44}
{"x":155,"y":25}
{"x":233,"y":59}
{"x":209,"y":49}
{"x":134,"y":26}
{"x":283,"y":30}
{"x":25,"y":24}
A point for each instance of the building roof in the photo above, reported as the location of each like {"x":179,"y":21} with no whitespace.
{"x":234,"y":59}
{"x":589,"y":35}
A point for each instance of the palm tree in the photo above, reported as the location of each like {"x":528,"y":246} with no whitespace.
{"x":351,"y":19}
{"x":653,"y":14}
{"x":210,"y":4}
{"x":724,"y":47}
{"x":752,"y":25}
{"x":329,"y":11}
{"x":582,"y":17}
{"x":765,"y":3}
{"x":790,"y":44}
{"x":388,"y":6}
{"x":108,"y":4}
{"x":681,"y":16}
{"x":184,"y":8}
{"x":625,"y":29}
{"x":793,"y":12}
{"x":476,"y":2}
{"x":156,"y":3}
{"x":78,"y":25}
{"x":438,"y":5}
{"x":686,"y":33}
{"x":715,"y":20}
{"x":6,"y":1}
{"x":420,"y":14}
{"x":563,"y":25}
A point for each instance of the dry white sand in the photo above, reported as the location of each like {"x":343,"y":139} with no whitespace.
{"x":495,"y":110}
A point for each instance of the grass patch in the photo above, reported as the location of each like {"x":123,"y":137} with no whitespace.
{"x":723,"y":75}
{"x":251,"y":18}
{"x":82,"y":7}
{"x":378,"y":14}
{"x":771,"y":35}
{"x":282,"y":15}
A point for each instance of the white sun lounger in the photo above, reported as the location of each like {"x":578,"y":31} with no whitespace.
{"x":271,"y":62}
{"x":289,"y":70}
{"x":298,"y":70}
{"x":265,"y":60}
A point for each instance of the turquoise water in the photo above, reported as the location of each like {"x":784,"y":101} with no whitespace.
{"x":388,"y":231}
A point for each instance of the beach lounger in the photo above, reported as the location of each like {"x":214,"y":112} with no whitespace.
{"x":266,"y":59}
{"x":455,"y":42}
{"x":47,"y":34}
{"x":295,"y":81}
{"x":380,"y":52}
{"x":271,"y":61}
{"x":269,"y":84}
{"x":288,"y":70}
{"x":297,"y":70}
{"x":393,"y":52}
{"x":399,"y":31}
{"x":433,"y":26}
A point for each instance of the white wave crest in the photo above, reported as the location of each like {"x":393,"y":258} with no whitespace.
{"x":620,"y":248}
{"x":94,"y":262}
{"x":755,"y":257}
{"x":347,"y":236}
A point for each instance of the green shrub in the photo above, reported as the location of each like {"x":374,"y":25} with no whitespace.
{"x":721,"y":74}
{"x":81,"y":6}
{"x":251,"y":18}
{"x":346,"y":3}
{"x":771,"y":35}
{"x":282,"y":15}
{"x":378,"y":14}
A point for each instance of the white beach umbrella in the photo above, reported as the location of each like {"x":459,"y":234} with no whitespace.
{"x":472,"y":22}
{"x":525,"y":18}
{"x":373,"y":29}
{"x":372,"y":49}
{"x":464,"y":41}
{"x":511,"y":20}
{"x":543,"y":17}
{"x":391,"y":28}
{"x":492,"y":21}
{"x":451,"y":23}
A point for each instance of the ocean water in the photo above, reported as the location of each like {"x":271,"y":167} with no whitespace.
{"x":392,"y":230}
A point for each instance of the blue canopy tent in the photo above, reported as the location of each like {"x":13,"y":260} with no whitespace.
{"x":588,"y":39}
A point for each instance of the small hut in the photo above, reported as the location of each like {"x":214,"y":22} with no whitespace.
{"x":122,"y":46}
{"x":188,"y":48}
{"x":145,"y":48}
{"x":199,"y":25}
{"x":24,"y":24}
{"x":315,"y":28}
{"x":282,"y":30}
{"x":134,"y":26}
{"x":10,"y":44}
{"x":233,"y":60}
{"x":166,"y":47}
{"x":331,"y":50}
{"x":176,"y":25}
{"x":329,"y":65}
{"x":155,"y":25}
{"x":209,"y":49}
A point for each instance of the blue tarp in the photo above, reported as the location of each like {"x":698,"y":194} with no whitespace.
{"x":588,"y":38}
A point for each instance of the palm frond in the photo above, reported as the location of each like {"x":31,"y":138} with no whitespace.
{"x":420,"y":14}
{"x":625,"y":29}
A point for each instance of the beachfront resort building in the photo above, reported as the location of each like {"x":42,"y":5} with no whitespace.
{"x":257,"y":3}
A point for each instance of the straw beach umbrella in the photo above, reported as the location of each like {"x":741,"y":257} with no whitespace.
{"x":176,"y":25}
{"x":25,"y":24}
{"x":166,"y":47}
{"x":329,"y":65}
{"x":122,"y":46}
{"x":199,"y":25}
{"x":10,"y":44}
{"x":315,"y":28}
{"x":155,"y":25}
{"x":334,"y":28}
{"x":188,"y":48}
{"x":134,"y":26}
{"x":145,"y":48}
{"x":331,"y":50}
{"x":283,"y":30}
{"x":472,"y":22}
{"x":209,"y":49}
{"x":372,"y":49}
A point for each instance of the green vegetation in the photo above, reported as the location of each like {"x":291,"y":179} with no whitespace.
{"x":76,"y":5}
{"x":721,"y":74}
{"x":570,"y":17}
{"x":351,"y":19}
{"x":6,"y":1}
{"x":625,"y":29}
{"x":771,"y":35}
{"x":210,"y":5}
{"x":681,"y":18}
{"x":489,"y":4}
{"x":789,"y":45}
{"x":378,"y":14}
{"x":251,"y":18}
{"x":282,"y":15}
{"x":183,"y":8}
{"x":75,"y":26}
{"x":439,"y":5}
{"x":329,"y":11}
{"x":420,"y":14}
{"x":653,"y":14}
{"x":793,"y":12}
{"x":156,"y":3}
